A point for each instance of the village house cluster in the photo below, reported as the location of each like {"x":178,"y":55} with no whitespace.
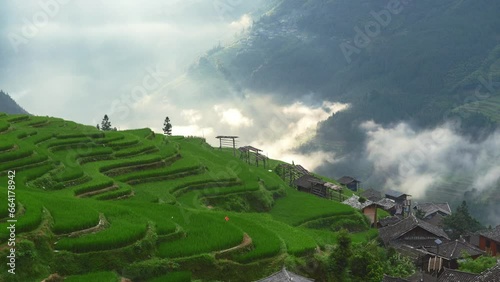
{"x":420,"y":238}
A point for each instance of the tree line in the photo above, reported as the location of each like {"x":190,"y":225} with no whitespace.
{"x":106,"y":125}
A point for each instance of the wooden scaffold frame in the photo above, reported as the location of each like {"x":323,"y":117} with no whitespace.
{"x":227,"y":142}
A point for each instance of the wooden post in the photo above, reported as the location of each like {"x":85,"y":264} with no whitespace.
{"x":234,"y":147}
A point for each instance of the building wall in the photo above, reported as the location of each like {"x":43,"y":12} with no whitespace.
{"x":371,"y":213}
{"x":353,"y":186}
{"x":492,"y":248}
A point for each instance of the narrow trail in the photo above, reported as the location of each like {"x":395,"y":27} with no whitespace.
{"x":247,"y":241}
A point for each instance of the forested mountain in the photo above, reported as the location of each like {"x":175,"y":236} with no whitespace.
{"x":8,"y":105}
{"x":412,"y":62}
{"x":424,"y":63}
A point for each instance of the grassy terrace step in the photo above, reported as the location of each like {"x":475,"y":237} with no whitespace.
{"x":163,"y":175}
{"x":42,"y":137}
{"x":114,"y":195}
{"x":92,"y":187}
{"x":66,"y":222}
{"x":29,"y":216}
{"x":206,"y":233}
{"x":26,"y":134}
{"x":39,"y":123}
{"x":18,"y":118}
{"x":177,"y":166}
{"x":266,"y":243}
{"x":129,"y":152}
{"x":15,"y":155}
{"x":68,"y":142}
{"x":165,"y":218}
{"x":35,"y":160}
{"x":100,"y":191}
{"x":106,"y":276}
{"x":123,"y":144}
{"x":204,"y":184}
{"x":121,"y":233}
{"x":4,"y":126}
{"x":6,"y":147}
{"x":286,"y":209}
{"x":136,"y":163}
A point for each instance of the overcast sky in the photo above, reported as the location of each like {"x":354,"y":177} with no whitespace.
{"x":79,"y":60}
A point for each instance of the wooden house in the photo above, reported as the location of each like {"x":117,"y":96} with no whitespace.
{"x":412,"y":232}
{"x":396,"y":196}
{"x":453,"y":251}
{"x":453,"y":275}
{"x":350,"y":182}
{"x":367,"y":207}
{"x":489,"y":275}
{"x":310,"y":184}
{"x":434,"y":213}
{"x":489,"y":241}
{"x":402,"y":201}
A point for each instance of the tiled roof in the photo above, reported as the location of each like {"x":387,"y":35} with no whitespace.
{"x":389,"y":221}
{"x":451,"y":275}
{"x":308,"y":181}
{"x":347,"y":180}
{"x":387,"y":203}
{"x":332,"y":186}
{"x":301,"y":169}
{"x":489,"y":275}
{"x":492,"y":234}
{"x":454,"y":250}
{"x":285,"y":276}
{"x":372,"y":195}
{"x":353,"y":201}
{"x":436,"y":220}
{"x":430,"y":208}
{"x":394,"y":194}
{"x":395,"y":231}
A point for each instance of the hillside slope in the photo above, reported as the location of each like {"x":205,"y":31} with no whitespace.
{"x":139,"y":205}
{"x":9,"y":106}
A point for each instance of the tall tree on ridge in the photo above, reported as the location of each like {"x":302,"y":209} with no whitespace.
{"x":167,"y":127}
{"x":105,"y":124}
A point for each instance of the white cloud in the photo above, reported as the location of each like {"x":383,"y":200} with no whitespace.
{"x":243,"y":23}
{"x":417,"y":161}
{"x":232,"y":117}
{"x":192,"y":116}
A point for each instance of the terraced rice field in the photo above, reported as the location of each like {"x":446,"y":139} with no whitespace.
{"x":489,"y":107}
{"x":96,"y":206}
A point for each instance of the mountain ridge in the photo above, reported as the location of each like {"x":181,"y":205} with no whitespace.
{"x":9,"y":106}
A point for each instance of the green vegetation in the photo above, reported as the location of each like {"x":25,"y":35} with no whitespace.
{"x":461,"y":222}
{"x":477,"y":265}
{"x":95,"y":277}
{"x":92,"y":203}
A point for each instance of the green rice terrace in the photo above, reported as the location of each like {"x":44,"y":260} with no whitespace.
{"x":98,"y":205}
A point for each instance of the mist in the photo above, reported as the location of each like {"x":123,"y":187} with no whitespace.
{"x":131,"y":61}
{"x":436,"y":164}
{"x":58,"y":54}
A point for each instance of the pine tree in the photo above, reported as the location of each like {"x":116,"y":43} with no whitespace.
{"x":167,"y":127}
{"x":105,"y":124}
{"x":339,"y":259}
